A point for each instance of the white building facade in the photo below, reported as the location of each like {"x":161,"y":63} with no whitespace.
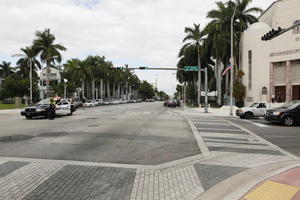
{"x":272,"y":68}
{"x":54,"y":78}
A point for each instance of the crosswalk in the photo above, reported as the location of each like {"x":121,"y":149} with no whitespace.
{"x":223,"y":137}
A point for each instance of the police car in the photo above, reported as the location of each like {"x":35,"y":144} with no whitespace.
{"x":62,"y":107}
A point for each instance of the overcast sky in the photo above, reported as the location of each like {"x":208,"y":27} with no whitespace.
{"x":134,"y":32}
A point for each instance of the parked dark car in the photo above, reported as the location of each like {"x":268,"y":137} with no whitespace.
{"x":63,"y":107}
{"x":288,"y":114}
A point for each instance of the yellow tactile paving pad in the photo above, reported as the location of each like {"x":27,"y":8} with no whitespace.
{"x":270,"y":190}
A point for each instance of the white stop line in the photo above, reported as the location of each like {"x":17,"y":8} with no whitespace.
{"x":258,"y":124}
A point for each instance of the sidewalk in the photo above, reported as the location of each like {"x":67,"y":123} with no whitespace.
{"x":212,"y":112}
{"x":283,"y":186}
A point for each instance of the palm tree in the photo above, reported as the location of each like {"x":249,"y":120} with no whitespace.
{"x":27,"y":63}
{"x":49,"y":52}
{"x":218,"y":33}
{"x":5,"y":69}
{"x":77,"y":71}
{"x":28,"y":57}
{"x":194,"y":35}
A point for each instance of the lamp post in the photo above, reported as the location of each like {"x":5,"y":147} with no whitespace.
{"x":47,"y":74}
{"x":232,"y":64}
{"x":65,"y":88}
{"x":30,"y":73}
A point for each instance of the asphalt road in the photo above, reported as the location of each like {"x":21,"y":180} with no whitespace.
{"x":140,"y":133}
{"x":287,"y":138}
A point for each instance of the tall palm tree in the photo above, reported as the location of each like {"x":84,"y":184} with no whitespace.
{"x":49,"y":52}
{"x":5,"y":69}
{"x":194,"y":35}
{"x":28,"y":57}
{"x":28,"y":63}
{"x":77,"y":71}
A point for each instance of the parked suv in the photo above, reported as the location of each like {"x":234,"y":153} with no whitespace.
{"x":255,"y":110}
{"x":288,"y":114}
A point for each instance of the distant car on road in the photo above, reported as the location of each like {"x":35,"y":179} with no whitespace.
{"x":255,"y":110}
{"x":288,"y":114}
{"x":90,"y":103}
{"x":63,"y":107}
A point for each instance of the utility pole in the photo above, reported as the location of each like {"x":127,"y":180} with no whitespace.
{"x":232,"y":65}
{"x":206,"y":88}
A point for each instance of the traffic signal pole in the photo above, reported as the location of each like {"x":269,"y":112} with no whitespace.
{"x":275,"y":33}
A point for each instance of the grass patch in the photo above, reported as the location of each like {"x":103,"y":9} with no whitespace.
{"x":9,"y":106}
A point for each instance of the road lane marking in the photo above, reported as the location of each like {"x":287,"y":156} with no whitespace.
{"x":257,"y":124}
{"x":219,"y":129}
{"x":266,"y":141}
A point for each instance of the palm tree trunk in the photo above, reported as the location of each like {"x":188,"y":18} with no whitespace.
{"x":119,"y":91}
{"x":126,"y":90}
{"x":101,"y":88}
{"x":93,"y":88}
{"x":218,"y":81}
{"x":122,"y":92}
{"x":82,"y":88}
{"x":47,"y":79}
{"x":108,"y":89}
{"x":199,"y":79}
{"x":114,"y":90}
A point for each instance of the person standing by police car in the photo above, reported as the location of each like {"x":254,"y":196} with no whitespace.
{"x":51,"y":111}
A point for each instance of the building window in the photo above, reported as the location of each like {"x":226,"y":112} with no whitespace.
{"x":249,"y":69}
{"x":296,"y":30}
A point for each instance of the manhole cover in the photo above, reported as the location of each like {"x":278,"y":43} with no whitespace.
{"x":16,"y":138}
{"x":53,"y":134}
{"x":93,"y":125}
{"x":91,"y":118}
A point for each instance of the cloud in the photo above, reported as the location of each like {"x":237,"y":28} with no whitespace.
{"x":134,"y":32}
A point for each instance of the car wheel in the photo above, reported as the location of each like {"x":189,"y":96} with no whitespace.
{"x":288,"y":121}
{"x":242,"y":117}
{"x":248,"y":115}
{"x":28,"y":117}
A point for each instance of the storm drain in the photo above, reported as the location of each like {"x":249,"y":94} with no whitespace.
{"x":15,"y":138}
{"x":53,"y":134}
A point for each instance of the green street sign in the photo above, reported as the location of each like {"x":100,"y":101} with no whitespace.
{"x":191,"y":68}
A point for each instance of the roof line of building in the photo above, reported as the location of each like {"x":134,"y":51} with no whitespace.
{"x":268,"y":8}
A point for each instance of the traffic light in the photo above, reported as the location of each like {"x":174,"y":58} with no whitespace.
{"x":271,"y":34}
{"x":143,"y":67}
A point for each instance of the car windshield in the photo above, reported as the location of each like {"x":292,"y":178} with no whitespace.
{"x":292,"y":104}
{"x":44,"y":102}
{"x":254,"y":105}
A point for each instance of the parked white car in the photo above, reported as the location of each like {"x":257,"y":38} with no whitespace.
{"x":255,"y":110}
{"x":90,"y":103}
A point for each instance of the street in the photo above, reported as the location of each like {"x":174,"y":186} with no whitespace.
{"x":138,"y":151}
{"x":145,"y":133}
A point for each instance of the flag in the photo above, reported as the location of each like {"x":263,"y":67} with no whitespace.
{"x":229,"y":67}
